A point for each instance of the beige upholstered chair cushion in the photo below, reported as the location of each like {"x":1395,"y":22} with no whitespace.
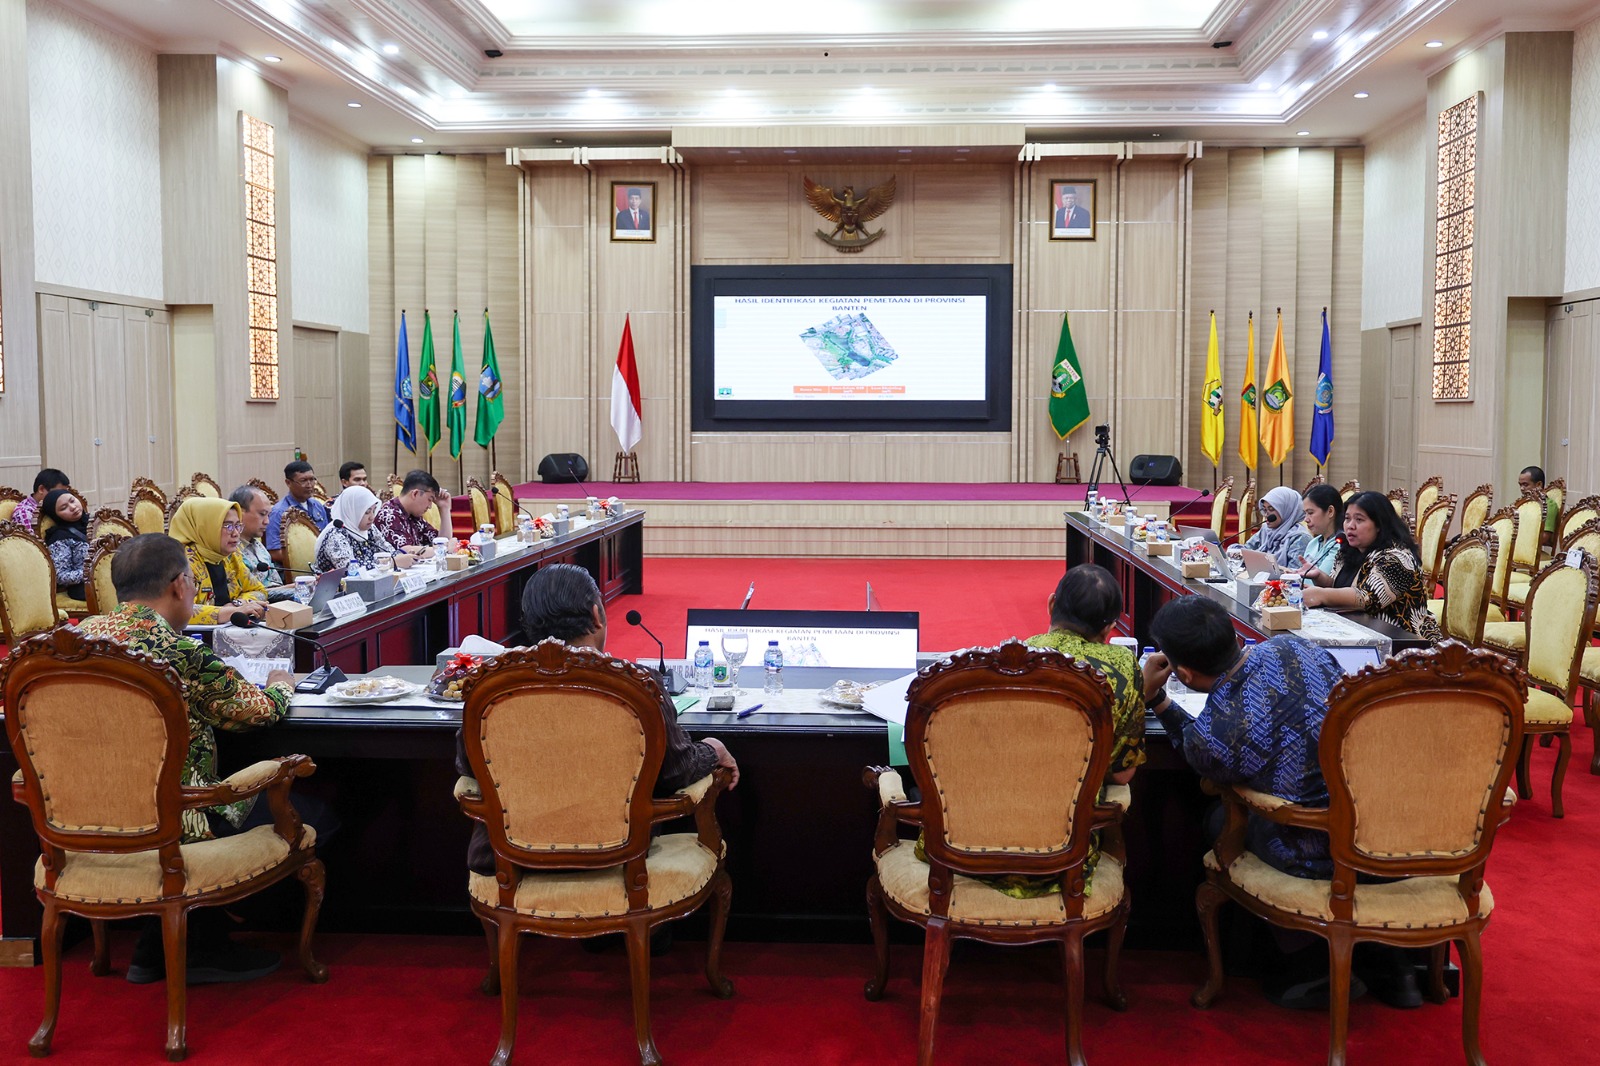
{"x":1414,"y":903}
{"x":678,"y":866}
{"x":1507,"y":636}
{"x":431,"y":516}
{"x":209,"y":865}
{"x":299,"y":543}
{"x":1436,"y":608}
{"x":480,"y":506}
{"x":1590,"y":670}
{"x":148,"y":517}
{"x":25,"y":591}
{"x":1544,"y":709}
{"x":905,"y":880}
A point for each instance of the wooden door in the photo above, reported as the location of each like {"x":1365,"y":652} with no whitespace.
{"x":1571,"y":444}
{"x":147,"y":341}
{"x":1400,"y":432}
{"x":316,"y":401}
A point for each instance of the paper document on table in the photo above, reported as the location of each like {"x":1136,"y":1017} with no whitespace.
{"x":255,"y":671}
{"x":472,"y":644}
{"x":888,"y":700}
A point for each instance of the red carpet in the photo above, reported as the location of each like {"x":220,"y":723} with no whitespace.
{"x":415,"y":999}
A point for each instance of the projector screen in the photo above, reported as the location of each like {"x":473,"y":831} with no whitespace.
{"x":891,"y":347}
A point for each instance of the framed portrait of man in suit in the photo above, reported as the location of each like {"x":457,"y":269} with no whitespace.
{"x":1072,"y":210}
{"x":633,"y":210}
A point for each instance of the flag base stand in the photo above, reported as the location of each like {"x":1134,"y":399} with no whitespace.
{"x":1063,"y":475}
{"x":626,"y":468}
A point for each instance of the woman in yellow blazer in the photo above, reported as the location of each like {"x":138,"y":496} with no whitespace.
{"x":209,"y":530}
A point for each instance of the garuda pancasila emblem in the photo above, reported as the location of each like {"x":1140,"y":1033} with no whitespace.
{"x":850,"y":214}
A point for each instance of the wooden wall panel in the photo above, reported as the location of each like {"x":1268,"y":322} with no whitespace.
{"x":1344,"y":316}
{"x":1208,"y":231}
{"x":21,"y":433}
{"x":962,"y":215}
{"x":383,"y":319}
{"x":1313,"y":292}
{"x":747,"y":217}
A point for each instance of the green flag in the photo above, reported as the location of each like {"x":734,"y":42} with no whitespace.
{"x":458,"y":392}
{"x":1069,"y":400}
{"x":428,"y":386}
{"x":491,"y":406}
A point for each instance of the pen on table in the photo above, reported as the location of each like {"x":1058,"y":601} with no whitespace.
{"x":748,"y":711}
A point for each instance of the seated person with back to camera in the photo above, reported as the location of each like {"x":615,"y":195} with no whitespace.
{"x":562,"y":601}
{"x":209,"y":530}
{"x":154,"y":580}
{"x":1083,"y":611}
{"x":1260,"y":728}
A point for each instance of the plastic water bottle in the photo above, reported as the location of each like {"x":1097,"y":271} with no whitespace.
{"x":1293,"y":592}
{"x":772,"y":663}
{"x":353,"y":570}
{"x":702,"y":665}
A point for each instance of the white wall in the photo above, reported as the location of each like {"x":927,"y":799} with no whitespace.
{"x":96,"y":156}
{"x":1583,"y":163}
{"x":1392,"y":225}
{"x":328,"y":227}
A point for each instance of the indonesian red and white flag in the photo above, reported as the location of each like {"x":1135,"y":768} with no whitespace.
{"x":627,"y":412}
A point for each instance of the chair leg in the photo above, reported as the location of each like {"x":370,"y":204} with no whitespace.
{"x":1072,"y":970}
{"x":175,"y":946}
{"x":1524,"y":759}
{"x":1591,"y":714}
{"x":506,"y":945}
{"x":101,"y":965}
{"x":490,"y":986}
{"x":935,"y":961}
{"x":1471,"y":995}
{"x":315,"y":877}
{"x":1438,"y":957}
{"x":721,"y":901}
{"x":50,"y":944}
{"x":1563,"y":756}
{"x":639,"y":971}
{"x":1340,"y":946}
{"x":878,"y":918}
{"x":1116,"y":999}
{"x":1208,"y":898}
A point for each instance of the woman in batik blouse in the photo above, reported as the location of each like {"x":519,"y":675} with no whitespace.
{"x":1388,"y":582}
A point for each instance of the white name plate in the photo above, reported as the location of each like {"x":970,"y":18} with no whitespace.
{"x":410,"y":583}
{"x":345,"y":606}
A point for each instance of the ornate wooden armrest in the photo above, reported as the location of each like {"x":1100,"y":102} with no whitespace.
{"x":894,"y":808}
{"x":700,"y":799}
{"x":469,"y":797}
{"x":467,"y":786}
{"x":1279,"y":810}
{"x":253,"y":779}
{"x":1121,"y":795}
{"x":17,"y":788}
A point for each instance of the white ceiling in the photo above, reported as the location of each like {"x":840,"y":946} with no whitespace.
{"x":628,"y":71}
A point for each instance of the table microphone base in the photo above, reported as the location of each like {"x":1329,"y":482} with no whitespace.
{"x":319,"y":680}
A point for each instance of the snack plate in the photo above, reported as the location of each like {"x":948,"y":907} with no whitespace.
{"x":847,"y":693}
{"x":386,"y":689}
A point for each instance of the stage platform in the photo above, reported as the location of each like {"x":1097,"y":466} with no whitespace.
{"x":855,"y":519}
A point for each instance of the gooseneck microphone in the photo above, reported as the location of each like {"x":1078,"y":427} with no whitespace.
{"x":316,"y":681}
{"x":635,"y":619}
{"x":573,"y":472}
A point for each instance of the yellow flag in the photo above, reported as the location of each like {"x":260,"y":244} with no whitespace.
{"x":1248,"y":440}
{"x":1212,"y":431}
{"x":1277,"y":401}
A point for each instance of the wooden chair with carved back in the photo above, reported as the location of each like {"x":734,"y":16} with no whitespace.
{"x":1556,"y":493}
{"x":1530,"y":507}
{"x":440,"y":519}
{"x":184,"y":493}
{"x":299,"y":534}
{"x":149,"y":486}
{"x":1219,"y":507}
{"x":1249,"y":515}
{"x":1586,"y":536}
{"x":572,"y":838}
{"x":107,"y":805}
{"x":1468,"y":567}
{"x":74,"y":608}
{"x":394,"y":486}
{"x":320,"y":493}
{"x":266,"y":490}
{"x":1349,"y":489}
{"x":109,"y":520}
{"x":1580,"y":513}
{"x":97,"y":586}
{"x":1476,"y":507}
{"x":1503,"y":523}
{"x":9,"y":498}
{"x":1430,"y":537}
{"x":147,"y":510}
{"x":1010,"y":747}
{"x":1548,"y":643}
{"x":478,"y":499}
{"x":1317,"y":479}
{"x":505,"y":504}
{"x":1400,"y":500}
{"x":1463,"y":708}
{"x":28,"y":601}
{"x":204,"y":484}
{"x":1428,"y":493}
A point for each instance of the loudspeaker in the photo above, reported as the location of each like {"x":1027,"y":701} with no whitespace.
{"x":1156,"y":470}
{"x":563,"y":467}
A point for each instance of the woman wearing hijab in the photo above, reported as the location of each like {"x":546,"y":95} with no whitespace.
{"x":349,"y":537}
{"x":209,"y":530}
{"x":1281,"y":534}
{"x":67,"y":538}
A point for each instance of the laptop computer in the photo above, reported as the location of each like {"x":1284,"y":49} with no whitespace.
{"x":327,"y":588}
{"x":1260,"y":563}
{"x":1353,"y":659}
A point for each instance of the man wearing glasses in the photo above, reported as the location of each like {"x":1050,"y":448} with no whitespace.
{"x":156,"y":591}
{"x":301,"y":480}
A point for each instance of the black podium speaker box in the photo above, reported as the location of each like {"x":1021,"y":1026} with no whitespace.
{"x":1156,"y":470}
{"x":563,"y":467}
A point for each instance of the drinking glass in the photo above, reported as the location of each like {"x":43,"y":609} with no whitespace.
{"x":735,"y":646}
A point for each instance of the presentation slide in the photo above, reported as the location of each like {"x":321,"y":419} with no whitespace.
{"x":905,"y":348}
{"x":838,"y":639}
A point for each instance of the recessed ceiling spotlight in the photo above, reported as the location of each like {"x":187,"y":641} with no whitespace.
{"x":1155,"y":135}
{"x":391,"y":49}
{"x":736,"y":151}
{"x":1320,"y":35}
{"x":1303,"y":133}
{"x":790,"y":151}
{"x":1434,"y":44}
{"x":963,"y":150}
{"x":558,"y":140}
{"x":1263,"y":85}
{"x":273,"y":59}
{"x":903,"y":151}
{"x":1362,"y":95}
{"x":416,"y":140}
{"x":1050,"y":87}
{"x":1307,"y":84}
{"x":352,"y":103}
{"x":591,"y":93}
{"x":338,"y":46}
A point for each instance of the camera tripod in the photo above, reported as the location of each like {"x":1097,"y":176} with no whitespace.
{"x":1102,"y":456}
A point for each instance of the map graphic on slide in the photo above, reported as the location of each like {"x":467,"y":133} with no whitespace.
{"x":849,"y":346}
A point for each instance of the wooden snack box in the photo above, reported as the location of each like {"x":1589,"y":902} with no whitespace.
{"x":1200,"y":570}
{"x":1279,"y":619}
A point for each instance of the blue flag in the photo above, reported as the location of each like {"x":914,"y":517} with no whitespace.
{"x":1322,"y":420}
{"x":405,"y":417}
